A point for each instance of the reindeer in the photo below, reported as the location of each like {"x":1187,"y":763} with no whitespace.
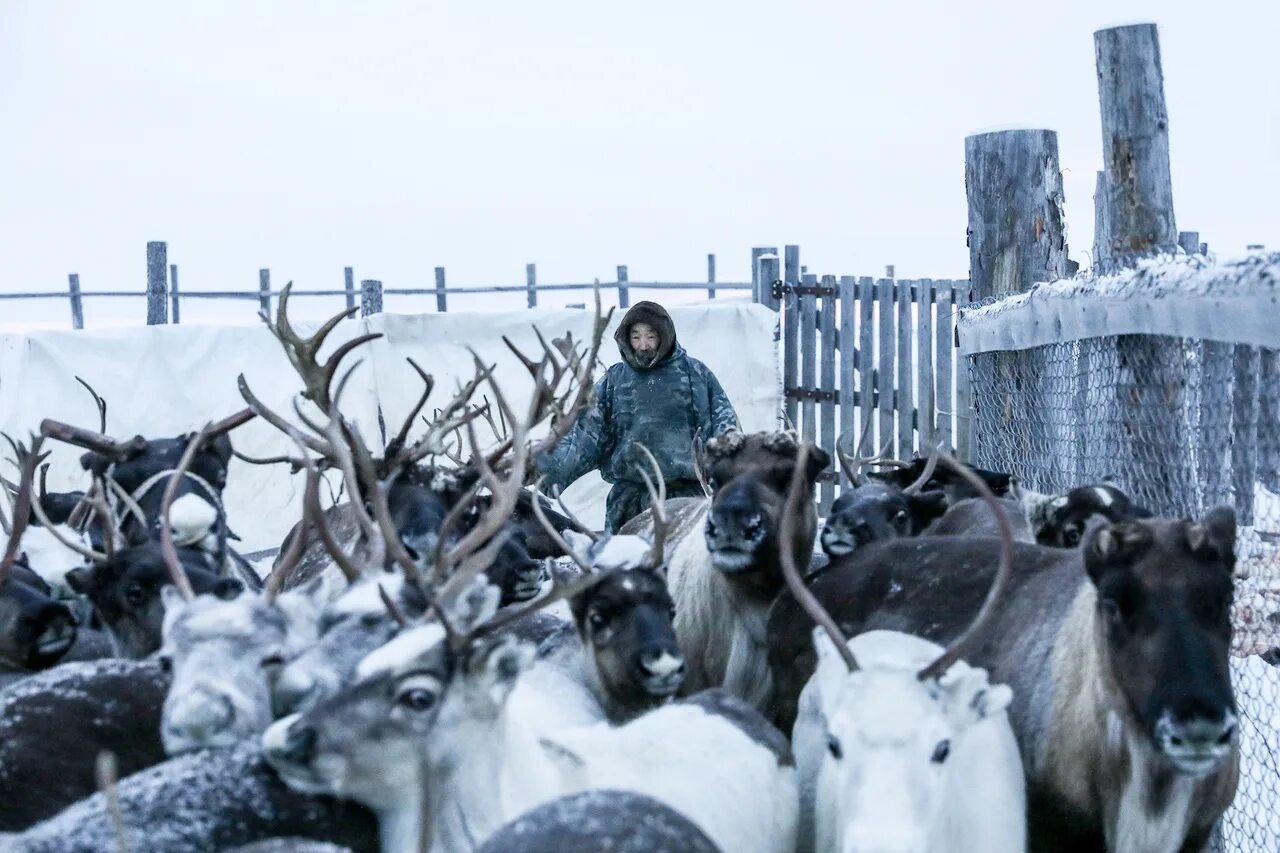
{"x":134,"y":478}
{"x":600,"y":822}
{"x":869,"y":512}
{"x":1118,"y":651}
{"x":1057,"y":521}
{"x":53,"y":723}
{"x":724,"y":559}
{"x":195,"y":803}
{"x":900,"y":745}
{"x":452,"y":741}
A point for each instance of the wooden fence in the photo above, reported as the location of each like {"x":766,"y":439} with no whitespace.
{"x":164,"y":299}
{"x":858,"y":349}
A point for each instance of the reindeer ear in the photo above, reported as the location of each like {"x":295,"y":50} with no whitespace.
{"x":220,"y":447}
{"x":1215,"y":536}
{"x":79,"y":580}
{"x":1113,"y":544}
{"x":927,"y":506}
{"x":497,"y":666}
{"x":969,"y":697}
{"x":819,"y":460}
{"x":94,"y":463}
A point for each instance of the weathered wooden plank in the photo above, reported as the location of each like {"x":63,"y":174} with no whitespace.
{"x":1101,"y":227}
{"x":1135,"y":139}
{"x":761,"y":293}
{"x":965,"y":445}
{"x":885,"y":309}
{"x":866,"y":358}
{"x":1189,"y":241}
{"x":264,"y":292}
{"x":848,"y":364}
{"x":442,"y":292}
{"x":944,"y":355}
{"x":791,"y":329}
{"x":771,"y":268}
{"x":77,"y":301}
{"x":624,"y":292}
{"x":1017,"y":232}
{"x":175,"y":312}
{"x":531,"y":284}
{"x":1245,"y":430}
{"x":827,"y":408}
{"x":905,"y":397}
{"x":711,"y":276}
{"x":349,"y":286}
{"x":370,"y":297}
{"x":808,"y":360}
{"x":924,"y":364}
{"x":157,"y":287}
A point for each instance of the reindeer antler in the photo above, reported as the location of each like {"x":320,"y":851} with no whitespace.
{"x":28,"y":461}
{"x":100,"y":403}
{"x":1004,"y":572}
{"x":167,"y":548}
{"x":658,"y":501}
{"x":796,"y":495}
{"x":929,"y":466}
{"x":89,"y":440}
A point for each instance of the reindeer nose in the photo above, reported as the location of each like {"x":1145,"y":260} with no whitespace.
{"x":1197,"y":745}
{"x":199,"y":715}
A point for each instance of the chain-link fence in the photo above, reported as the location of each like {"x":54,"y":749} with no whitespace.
{"x":1181,"y":423}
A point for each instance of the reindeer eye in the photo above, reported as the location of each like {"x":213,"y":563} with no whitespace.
{"x":833,"y":747}
{"x":417,"y":699}
{"x":1071,"y":536}
{"x":134,"y":593}
{"x":901,"y":516}
{"x":941,"y":751}
{"x":273,"y":661}
{"x":1111,"y":608}
{"x":166,"y":664}
{"x":596,"y":620}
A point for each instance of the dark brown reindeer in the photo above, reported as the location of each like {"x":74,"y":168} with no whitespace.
{"x":1117,"y":653}
{"x":723,"y":559}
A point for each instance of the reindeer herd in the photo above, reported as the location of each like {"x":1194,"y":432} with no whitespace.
{"x":450,"y":661}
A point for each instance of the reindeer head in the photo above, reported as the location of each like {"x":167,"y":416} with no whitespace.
{"x":222,"y":655}
{"x":1063,"y":521}
{"x":749,"y":476}
{"x":1164,"y":593}
{"x":892,"y":739}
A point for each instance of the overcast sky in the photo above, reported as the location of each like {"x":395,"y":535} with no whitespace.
{"x":398,"y":136}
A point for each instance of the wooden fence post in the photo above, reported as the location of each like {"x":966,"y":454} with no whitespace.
{"x":885,"y":305}
{"x":827,"y":408}
{"x":442,"y":293}
{"x":808,"y":358}
{"x":762,"y":291}
{"x":77,"y":303}
{"x":790,"y":305}
{"x":264,"y":292}
{"x":1101,"y":225}
{"x":711,"y":276}
{"x":531,"y":284}
{"x":866,"y":362}
{"x":925,"y":407}
{"x":849,"y":360}
{"x":157,"y":287}
{"x":1135,"y":139}
{"x":769,"y":267}
{"x":174,"y":308}
{"x":370,"y":297}
{"x":1017,"y":233}
{"x":903,"y":399}
{"x":349,"y":286}
{"x":624,"y":293}
{"x":1151,"y":379}
{"x":1189,"y":241}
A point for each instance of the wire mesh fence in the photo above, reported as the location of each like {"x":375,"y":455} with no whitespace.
{"x":1182,"y":425}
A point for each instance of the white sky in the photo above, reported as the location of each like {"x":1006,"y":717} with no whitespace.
{"x":394,"y":137}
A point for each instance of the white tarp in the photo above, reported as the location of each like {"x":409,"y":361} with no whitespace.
{"x":161,"y":381}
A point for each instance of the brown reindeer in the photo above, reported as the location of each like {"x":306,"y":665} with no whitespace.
{"x":1117,"y":653}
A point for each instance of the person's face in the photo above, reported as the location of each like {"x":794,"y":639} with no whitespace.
{"x":644,"y":339}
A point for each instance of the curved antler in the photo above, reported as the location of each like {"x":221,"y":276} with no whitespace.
{"x":1004,"y":572}
{"x":28,"y":461}
{"x":89,"y":440}
{"x":167,"y":548}
{"x":796,"y":494}
{"x":929,"y":467}
{"x":657,"y":500}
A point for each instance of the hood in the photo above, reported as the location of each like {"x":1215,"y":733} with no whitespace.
{"x":655,"y":315}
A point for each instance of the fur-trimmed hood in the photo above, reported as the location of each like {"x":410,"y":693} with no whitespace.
{"x":655,"y":315}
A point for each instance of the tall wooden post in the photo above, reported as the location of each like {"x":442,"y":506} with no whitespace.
{"x":1101,"y":223}
{"x":442,"y":293}
{"x":370,"y":297}
{"x":1135,"y":139}
{"x":711,"y":276}
{"x":1017,"y":234}
{"x":624,"y":292}
{"x":157,"y":287}
{"x":768,"y":267}
{"x":531,"y":284}
{"x":1151,"y":385}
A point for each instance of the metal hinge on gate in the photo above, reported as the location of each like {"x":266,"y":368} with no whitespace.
{"x":810,"y":394}
{"x":782,"y":288}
